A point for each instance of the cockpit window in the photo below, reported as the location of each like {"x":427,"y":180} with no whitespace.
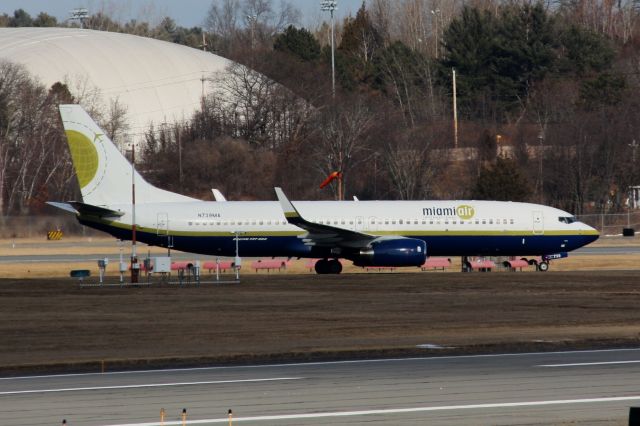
{"x":567,"y":219}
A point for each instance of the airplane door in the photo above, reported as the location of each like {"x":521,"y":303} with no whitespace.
{"x":538,"y":222}
{"x":162,"y":224}
{"x":372,"y":224}
{"x":359,"y":223}
{"x":162,"y":229}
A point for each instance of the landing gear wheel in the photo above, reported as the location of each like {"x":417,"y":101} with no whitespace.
{"x":322,"y":266}
{"x":326,"y":266}
{"x":543,"y":266}
{"x":335,"y":267}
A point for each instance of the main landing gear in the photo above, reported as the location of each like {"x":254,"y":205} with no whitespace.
{"x":328,"y":266}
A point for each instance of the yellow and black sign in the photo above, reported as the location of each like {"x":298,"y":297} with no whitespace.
{"x":54,"y":235}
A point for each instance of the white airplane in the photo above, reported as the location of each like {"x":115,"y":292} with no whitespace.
{"x":369,"y":233}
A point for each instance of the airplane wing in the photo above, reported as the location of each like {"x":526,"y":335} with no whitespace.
{"x":322,"y":235}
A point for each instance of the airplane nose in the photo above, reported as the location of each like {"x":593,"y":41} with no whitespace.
{"x":590,"y":233}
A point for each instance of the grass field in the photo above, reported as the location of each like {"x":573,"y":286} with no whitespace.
{"x":53,"y":322}
{"x":48,"y":320}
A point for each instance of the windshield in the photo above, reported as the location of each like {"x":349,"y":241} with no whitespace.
{"x":567,"y":219}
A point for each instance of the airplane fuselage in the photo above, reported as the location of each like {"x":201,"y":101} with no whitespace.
{"x":449,"y":228}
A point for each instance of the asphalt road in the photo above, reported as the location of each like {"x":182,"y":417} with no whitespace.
{"x":594,"y":387}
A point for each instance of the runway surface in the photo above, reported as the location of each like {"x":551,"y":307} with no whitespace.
{"x":595,"y":387}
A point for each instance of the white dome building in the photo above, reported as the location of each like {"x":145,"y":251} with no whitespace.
{"x":156,"y":81}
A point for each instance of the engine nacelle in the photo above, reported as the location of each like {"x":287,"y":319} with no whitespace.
{"x":393,"y":252}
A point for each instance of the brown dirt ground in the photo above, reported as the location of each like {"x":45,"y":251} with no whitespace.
{"x":52,"y":324}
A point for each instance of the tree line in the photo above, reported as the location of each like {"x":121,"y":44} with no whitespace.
{"x":546,"y":101}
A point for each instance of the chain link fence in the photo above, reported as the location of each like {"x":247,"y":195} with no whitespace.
{"x":613,"y":223}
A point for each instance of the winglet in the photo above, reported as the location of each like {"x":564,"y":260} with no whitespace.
{"x":218,"y":195}
{"x":290,"y":212}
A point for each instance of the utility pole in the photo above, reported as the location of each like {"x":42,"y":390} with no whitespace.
{"x":540,"y":155}
{"x":331,"y":6}
{"x":634,"y":146}
{"x":204,"y":43}
{"x":455,"y":110}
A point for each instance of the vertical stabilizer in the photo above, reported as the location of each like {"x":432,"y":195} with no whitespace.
{"x":103,"y":173}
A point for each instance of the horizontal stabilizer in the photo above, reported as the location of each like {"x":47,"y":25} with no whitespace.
{"x":83,"y":209}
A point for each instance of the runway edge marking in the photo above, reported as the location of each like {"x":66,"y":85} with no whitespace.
{"x":392,"y":411}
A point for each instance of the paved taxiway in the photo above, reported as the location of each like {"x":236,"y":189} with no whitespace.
{"x":597,"y":387}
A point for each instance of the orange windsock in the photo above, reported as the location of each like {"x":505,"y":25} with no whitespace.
{"x":332,"y":176}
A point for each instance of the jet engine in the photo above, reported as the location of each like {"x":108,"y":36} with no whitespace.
{"x":393,"y":252}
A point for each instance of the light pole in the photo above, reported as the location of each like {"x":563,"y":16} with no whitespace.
{"x":436,"y":14}
{"x":331,"y":6}
{"x":80,"y":15}
{"x":252,"y":21}
{"x":134,"y":256}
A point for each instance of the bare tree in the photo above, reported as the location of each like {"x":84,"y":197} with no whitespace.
{"x":342,"y":142}
{"x":238,"y":24}
{"x":116,"y":124}
{"x":263,"y":112}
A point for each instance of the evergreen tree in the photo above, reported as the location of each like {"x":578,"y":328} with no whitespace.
{"x":298,"y":42}
{"x":501,"y":181}
{"x":497,"y":59}
{"x":21,"y":19}
{"x":45,"y":20}
{"x":356,"y":52}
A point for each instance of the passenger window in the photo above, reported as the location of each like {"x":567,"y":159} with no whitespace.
{"x":400,"y":222}
{"x":484,"y":221}
{"x":490,"y":221}
{"x":512,"y":221}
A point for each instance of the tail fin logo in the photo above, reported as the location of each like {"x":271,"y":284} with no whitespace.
{"x":85,"y":156}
